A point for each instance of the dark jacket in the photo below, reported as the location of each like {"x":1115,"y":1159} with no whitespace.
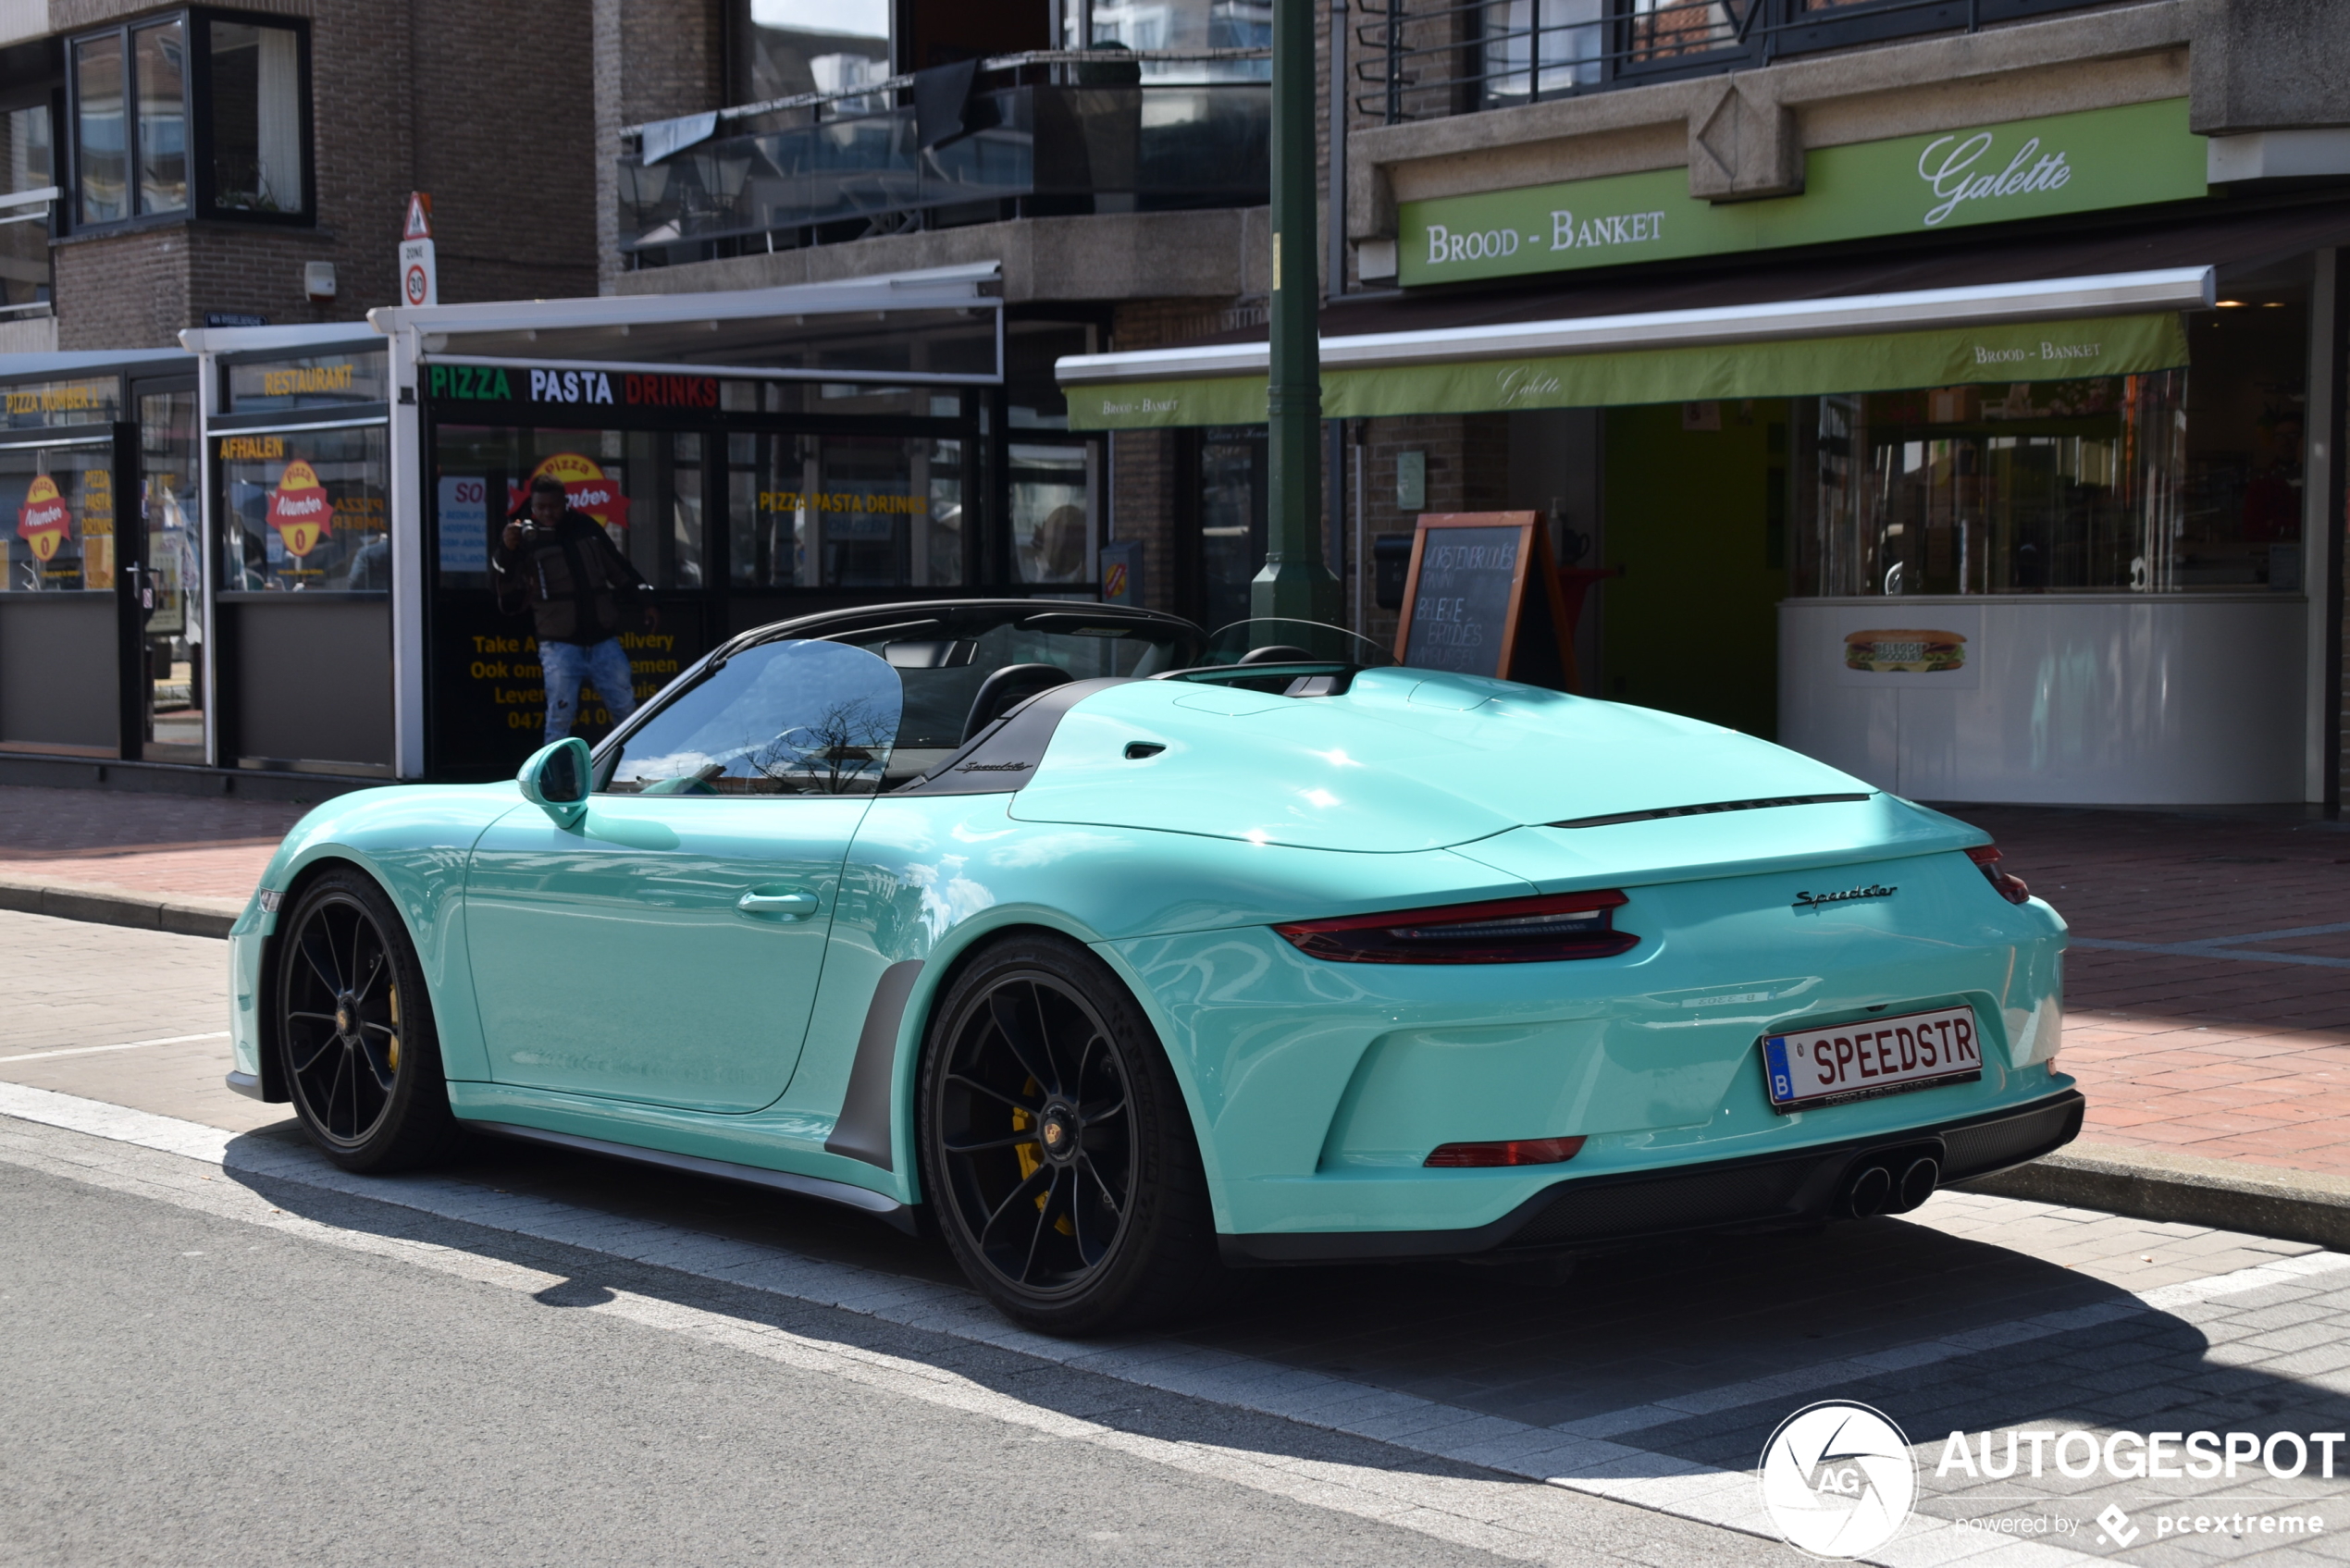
{"x":571,"y":578}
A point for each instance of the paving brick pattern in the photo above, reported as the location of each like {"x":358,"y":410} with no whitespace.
{"x":150,"y":844}
{"x":2222,"y":1055}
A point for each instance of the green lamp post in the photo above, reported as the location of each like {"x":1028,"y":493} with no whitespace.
{"x":1295,"y":582}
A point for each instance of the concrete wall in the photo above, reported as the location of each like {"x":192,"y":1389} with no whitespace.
{"x":1112,"y":257}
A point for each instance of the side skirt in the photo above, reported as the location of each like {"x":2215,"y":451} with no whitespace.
{"x":880,"y":1207}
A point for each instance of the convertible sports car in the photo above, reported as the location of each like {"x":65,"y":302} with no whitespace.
{"x":1111,"y":964}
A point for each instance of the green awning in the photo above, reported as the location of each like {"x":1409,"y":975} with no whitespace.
{"x":1998,"y":353}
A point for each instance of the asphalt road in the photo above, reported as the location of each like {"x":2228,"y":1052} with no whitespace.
{"x":187,"y":1388}
{"x":215,"y":1348}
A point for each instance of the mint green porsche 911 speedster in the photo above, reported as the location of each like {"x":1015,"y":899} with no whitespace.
{"x":1114,"y":958}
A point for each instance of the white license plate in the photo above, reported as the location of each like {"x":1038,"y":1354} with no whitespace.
{"x":1870,"y":1056}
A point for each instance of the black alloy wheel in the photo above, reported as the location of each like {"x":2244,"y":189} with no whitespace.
{"x":355,"y":1030}
{"x":1056,"y":1145}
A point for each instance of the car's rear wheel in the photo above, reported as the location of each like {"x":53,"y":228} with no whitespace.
{"x":1056,"y":1147}
{"x":354,"y":1027}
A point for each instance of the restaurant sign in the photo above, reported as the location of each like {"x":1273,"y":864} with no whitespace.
{"x":2085,"y":162}
{"x":36,"y":404}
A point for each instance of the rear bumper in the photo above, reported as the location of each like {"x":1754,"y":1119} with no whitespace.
{"x":1762,"y":1190}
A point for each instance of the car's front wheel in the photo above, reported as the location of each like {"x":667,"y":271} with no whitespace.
{"x":1055,"y":1148}
{"x":355,"y":1030}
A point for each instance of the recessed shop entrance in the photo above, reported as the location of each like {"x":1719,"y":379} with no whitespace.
{"x":101,"y":606}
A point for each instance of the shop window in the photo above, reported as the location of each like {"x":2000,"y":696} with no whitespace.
{"x":844,"y":512}
{"x":306,"y":511}
{"x":63,"y":503}
{"x":643,"y":487}
{"x":2173,"y":481}
{"x":1233,"y":493}
{"x":196,"y":113}
{"x":1052,"y":515}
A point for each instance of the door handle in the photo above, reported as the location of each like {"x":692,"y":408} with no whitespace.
{"x":792,"y":905}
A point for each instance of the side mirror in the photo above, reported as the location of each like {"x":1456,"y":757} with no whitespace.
{"x":556,"y":780}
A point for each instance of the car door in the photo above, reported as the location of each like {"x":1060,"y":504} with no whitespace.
{"x":665,"y":947}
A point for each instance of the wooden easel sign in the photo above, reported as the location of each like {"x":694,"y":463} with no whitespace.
{"x":1483,"y":599}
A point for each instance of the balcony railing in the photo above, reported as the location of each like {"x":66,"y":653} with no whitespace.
{"x":25,"y":225}
{"x":1425,"y":60}
{"x":1116,"y":132}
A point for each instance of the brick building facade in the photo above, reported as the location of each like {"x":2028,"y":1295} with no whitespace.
{"x":489,"y":107}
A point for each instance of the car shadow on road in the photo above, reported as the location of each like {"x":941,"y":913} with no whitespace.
{"x":1683,"y":1355}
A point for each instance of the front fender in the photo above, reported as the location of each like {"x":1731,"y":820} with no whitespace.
{"x":413,"y":841}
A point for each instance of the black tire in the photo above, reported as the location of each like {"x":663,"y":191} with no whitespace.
{"x":1099,"y":1216}
{"x":355,"y":1030}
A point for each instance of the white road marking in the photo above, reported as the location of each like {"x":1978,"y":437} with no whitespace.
{"x":125,"y":1046}
{"x":1578,"y":1456}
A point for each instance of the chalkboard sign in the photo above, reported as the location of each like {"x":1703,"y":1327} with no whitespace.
{"x":1483,"y":599}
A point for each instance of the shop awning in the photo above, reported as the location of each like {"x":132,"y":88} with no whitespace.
{"x":940,"y":325}
{"x":2047,"y":329}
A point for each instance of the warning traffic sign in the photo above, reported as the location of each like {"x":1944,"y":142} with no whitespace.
{"x":419,"y":273}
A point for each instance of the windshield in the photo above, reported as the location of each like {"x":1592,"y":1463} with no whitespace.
{"x":783,"y":718}
{"x":1275,"y":640}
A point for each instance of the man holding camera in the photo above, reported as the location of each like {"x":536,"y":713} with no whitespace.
{"x":559,"y":564}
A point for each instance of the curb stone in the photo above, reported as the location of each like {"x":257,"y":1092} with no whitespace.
{"x":183,"y":913}
{"x":2291,"y":1206}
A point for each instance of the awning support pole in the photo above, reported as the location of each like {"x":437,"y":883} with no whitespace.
{"x":1295,"y":582}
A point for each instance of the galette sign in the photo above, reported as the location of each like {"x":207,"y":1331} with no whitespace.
{"x":1483,"y":599}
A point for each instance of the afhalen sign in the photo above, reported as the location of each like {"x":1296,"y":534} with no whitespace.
{"x":2084,"y":162}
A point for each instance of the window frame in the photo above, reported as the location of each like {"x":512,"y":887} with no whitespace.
{"x":196,"y":103}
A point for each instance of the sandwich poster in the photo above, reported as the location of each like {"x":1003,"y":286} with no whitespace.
{"x":1936,"y":646}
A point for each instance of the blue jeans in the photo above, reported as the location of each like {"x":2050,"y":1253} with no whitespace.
{"x":604,"y":665}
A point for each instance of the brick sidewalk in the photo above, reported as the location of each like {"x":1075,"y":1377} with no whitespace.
{"x":149,"y":844}
{"x":2217,"y":1023}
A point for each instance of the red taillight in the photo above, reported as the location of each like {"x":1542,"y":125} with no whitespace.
{"x":2010,"y":887}
{"x":1508,"y":931}
{"x":1513,"y":1150}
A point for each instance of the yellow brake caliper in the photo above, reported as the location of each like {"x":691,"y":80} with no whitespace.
{"x":1031,"y":1157}
{"x":393,"y":1054}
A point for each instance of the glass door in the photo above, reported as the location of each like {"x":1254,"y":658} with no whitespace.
{"x":167,"y":580}
{"x":58,"y":630}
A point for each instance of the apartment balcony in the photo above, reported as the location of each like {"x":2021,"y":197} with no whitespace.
{"x":1429,"y":59}
{"x":1100,"y":132}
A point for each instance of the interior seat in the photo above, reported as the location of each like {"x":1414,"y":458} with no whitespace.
{"x":1005,"y":689}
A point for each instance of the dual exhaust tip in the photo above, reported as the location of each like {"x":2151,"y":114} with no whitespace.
{"x":1891,"y":1180}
